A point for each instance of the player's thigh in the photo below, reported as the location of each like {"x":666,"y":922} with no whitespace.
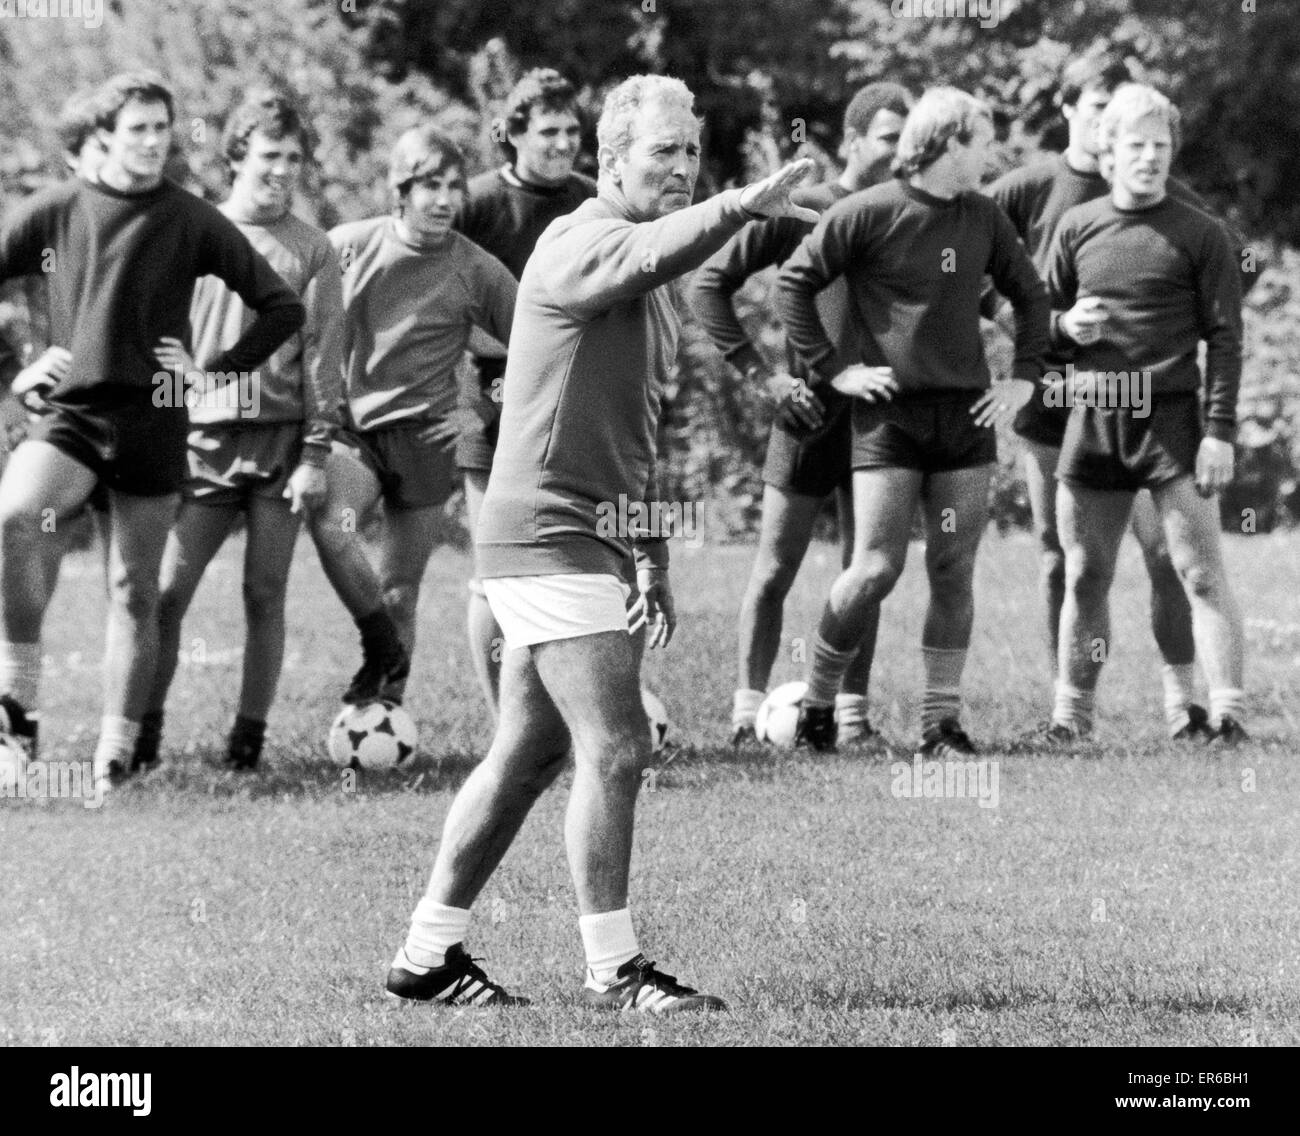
{"x":528,"y":720}
{"x":1191,"y":528}
{"x":955,"y":504}
{"x":410,"y":536}
{"x":595,"y":683}
{"x":272,"y":532}
{"x":884,"y":503}
{"x":139,"y":528}
{"x":1147,"y":526}
{"x":351,"y":490}
{"x":1091,"y":525}
{"x":199,"y":531}
{"x":40,"y":477}
{"x":786,"y":528}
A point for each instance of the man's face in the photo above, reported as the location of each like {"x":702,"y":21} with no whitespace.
{"x":658,"y":172}
{"x":1142,"y":153}
{"x":1083,"y":118}
{"x":432,"y":201}
{"x":546,"y":150}
{"x":873,"y":152}
{"x":138,"y":143}
{"x":971,"y":160}
{"x":268,"y":174}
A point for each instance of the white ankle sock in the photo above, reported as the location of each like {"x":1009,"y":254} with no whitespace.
{"x":1074,"y":708}
{"x":1227,"y":702}
{"x":20,"y":672}
{"x":1179,"y":682}
{"x":116,"y":739}
{"x":434,"y":928}
{"x":609,"y":941}
{"x":744,"y":707}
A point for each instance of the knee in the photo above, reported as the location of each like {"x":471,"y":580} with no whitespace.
{"x":771,"y":581}
{"x":400,"y":598}
{"x":554,"y":756}
{"x":1202,"y":582}
{"x":624,"y":758}
{"x":20,"y":526}
{"x":1051,"y":556}
{"x":951,"y":576}
{"x":1164,"y":576}
{"x":136,"y":596}
{"x":1087,"y":576}
{"x":872,"y":576}
{"x":263,"y":598}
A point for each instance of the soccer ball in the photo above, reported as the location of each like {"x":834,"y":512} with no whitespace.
{"x":372,"y":735}
{"x":654,"y":710}
{"x":779,"y":714}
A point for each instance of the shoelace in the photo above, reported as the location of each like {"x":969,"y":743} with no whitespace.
{"x":659,"y":980}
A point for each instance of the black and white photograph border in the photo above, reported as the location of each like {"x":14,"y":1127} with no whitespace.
{"x":881,"y":630}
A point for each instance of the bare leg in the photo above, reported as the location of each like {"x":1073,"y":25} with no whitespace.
{"x":485,"y":641}
{"x":527,"y":753}
{"x":336,"y":531}
{"x":139,"y":534}
{"x":268,"y":556}
{"x":1171,"y":613}
{"x":1039,"y":465}
{"x":956,"y":515}
{"x":1192,"y":529}
{"x":199,"y":532}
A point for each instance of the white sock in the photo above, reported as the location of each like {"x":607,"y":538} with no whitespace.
{"x":1179,"y":680}
{"x":851,"y":710}
{"x":1074,"y":708}
{"x":20,"y":672}
{"x":434,"y":928}
{"x":1227,"y":702}
{"x":941,"y":698}
{"x":609,"y":941}
{"x":744,"y":707}
{"x":116,"y":739}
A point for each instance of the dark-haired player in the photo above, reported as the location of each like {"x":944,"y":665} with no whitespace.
{"x":134,"y":242}
{"x":413,"y":289}
{"x":505,"y":211}
{"x":259,"y":443}
{"x":808,"y":452}
{"x":1166,"y":278}
{"x":1035,"y":198}
{"x":914,"y":253}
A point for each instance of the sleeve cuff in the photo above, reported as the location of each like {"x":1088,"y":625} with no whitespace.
{"x":1221,"y":430}
{"x":315,"y":453}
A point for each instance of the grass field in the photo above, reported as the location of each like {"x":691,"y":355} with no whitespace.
{"x":1135,"y":894}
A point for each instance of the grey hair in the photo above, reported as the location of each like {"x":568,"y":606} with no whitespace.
{"x":623,"y":103}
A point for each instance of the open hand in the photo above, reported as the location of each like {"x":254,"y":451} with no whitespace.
{"x":771,"y":196}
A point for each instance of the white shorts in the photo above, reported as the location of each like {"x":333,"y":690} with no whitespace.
{"x":541,"y":609}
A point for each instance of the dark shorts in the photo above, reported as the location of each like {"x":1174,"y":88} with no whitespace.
{"x":126,"y":441}
{"x":229,"y":464}
{"x":1038,"y":422}
{"x":813,"y":463}
{"x":412,"y":474}
{"x":1115,"y":451}
{"x":930,"y":432}
{"x":475,"y":447}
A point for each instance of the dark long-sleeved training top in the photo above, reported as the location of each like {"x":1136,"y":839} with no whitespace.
{"x":122,"y":269}
{"x":915,"y":266}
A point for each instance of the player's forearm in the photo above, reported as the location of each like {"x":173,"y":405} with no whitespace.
{"x":797,"y":309}
{"x":278,"y":317}
{"x":1032,"y":322}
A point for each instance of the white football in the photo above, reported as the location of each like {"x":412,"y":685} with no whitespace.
{"x":778,"y":715}
{"x":658,"y":716}
{"x":373,"y":735}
